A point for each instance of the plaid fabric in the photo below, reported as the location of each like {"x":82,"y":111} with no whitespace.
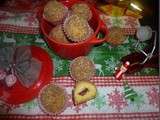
{"x":120,"y":116}
{"x":19,"y":29}
{"x":67,"y":82}
{"x":111,"y":81}
{"x":128,"y":24}
{"x":35,"y":30}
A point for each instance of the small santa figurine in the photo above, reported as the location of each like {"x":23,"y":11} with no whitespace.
{"x":119,"y":72}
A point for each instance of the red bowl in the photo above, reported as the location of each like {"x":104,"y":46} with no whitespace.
{"x":19,"y":94}
{"x":73,"y":50}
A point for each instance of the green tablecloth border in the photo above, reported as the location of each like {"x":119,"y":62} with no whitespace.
{"x":105,"y":56}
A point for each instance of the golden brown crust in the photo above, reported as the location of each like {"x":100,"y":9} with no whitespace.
{"x":76,"y":28}
{"x":53,"y":99}
{"x":83,"y":92}
{"x":58,"y":35}
{"x":82,"y":10}
{"x":54,"y":11}
{"x":82,"y":68}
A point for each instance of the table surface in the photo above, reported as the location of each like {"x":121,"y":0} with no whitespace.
{"x":23,"y":29}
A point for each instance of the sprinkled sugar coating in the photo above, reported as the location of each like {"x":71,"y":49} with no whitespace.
{"x":54,"y":11}
{"x":115,"y":36}
{"x":82,"y":68}
{"x":82,"y":10}
{"x":76,"y":28}
{"x":52,"y":99}
{"x":57,"y":35}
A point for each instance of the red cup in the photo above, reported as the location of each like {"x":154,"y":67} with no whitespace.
{"x":73,"y":50}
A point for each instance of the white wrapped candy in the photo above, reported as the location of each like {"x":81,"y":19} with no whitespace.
{"x":144,"y":33}
{"x":10,"y":80}
{"x":2,"y":74}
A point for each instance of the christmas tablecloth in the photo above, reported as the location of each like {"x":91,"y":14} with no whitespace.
{"x":110,"y":104}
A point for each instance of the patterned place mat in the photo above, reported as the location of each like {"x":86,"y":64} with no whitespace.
{"x":23,"y":29}
{"x":105,"y":57}
{"x":19,"y":22}
{"x":28,"y":23}
{"x":126,"y":23}
{"x":110,"y":102}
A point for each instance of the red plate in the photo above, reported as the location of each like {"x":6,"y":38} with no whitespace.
{"x":19,"y":94}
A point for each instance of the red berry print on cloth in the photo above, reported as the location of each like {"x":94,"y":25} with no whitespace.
{"x":154,"y":97}
{"x":117,"y":100}
{"x":76,"y":108}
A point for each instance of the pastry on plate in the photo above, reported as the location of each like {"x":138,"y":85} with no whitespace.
{"x":57,"y":34}
{"x":54,"y":12}
{"x":52,"y":99}
{"x":83,"y":92}
{"x":116,"y":36}
{"x":83,"y":10}
{"x":82,"y":68}
{"x":76,"y":28}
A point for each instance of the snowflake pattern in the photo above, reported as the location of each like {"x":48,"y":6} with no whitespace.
{"x":139,"y":101}
{"x":122,"y":51}
{"x":153,"y":96}
{"x":76,"y":108}
{"x":141,"y":46}
{"x":110,"y":64}
{"x":116,"y":100}
{"x":92,"y":55}
{"x":133,"y":42}
{"x":58,"y":64}
{"x":147,"y":70}
{"x":30,"y":105}
{"x":99,"y":101}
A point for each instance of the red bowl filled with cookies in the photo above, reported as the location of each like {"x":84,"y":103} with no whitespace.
{"x":71,"y":27}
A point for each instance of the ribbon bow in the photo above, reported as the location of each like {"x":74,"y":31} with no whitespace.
{"x":19,"y":62}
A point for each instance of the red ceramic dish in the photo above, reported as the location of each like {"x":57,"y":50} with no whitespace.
{"x":74,"y":50}
{"x":19,"y":94}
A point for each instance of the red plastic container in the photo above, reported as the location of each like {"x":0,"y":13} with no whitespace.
{"x":74,"y":50}
{"x":19,"y":94}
